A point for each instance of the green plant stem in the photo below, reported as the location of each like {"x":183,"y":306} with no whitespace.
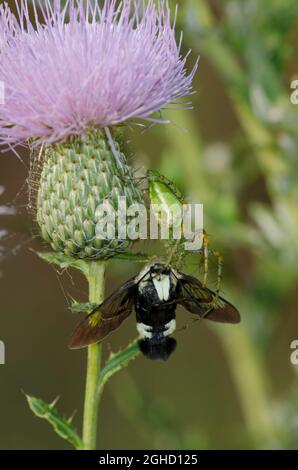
{"x":250,"y":380}
{"x":95,"y":276}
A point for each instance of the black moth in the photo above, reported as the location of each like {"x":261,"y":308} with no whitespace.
{"x":154,"y":294}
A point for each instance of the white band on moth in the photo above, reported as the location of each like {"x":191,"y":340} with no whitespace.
{"x":170,"y":328}
{"x":145,"y":331}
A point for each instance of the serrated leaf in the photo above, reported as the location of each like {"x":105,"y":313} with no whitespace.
{"x":118,"y":361}
{"x":86,"y":307}
{"x":62,"y":426}
{"x":64,"y":261}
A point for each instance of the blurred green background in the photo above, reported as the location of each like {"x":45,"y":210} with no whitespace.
{"x":226,"y":386}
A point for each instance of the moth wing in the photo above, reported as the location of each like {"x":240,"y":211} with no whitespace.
{"x":202,"y":301}
{"x":113,"y":311}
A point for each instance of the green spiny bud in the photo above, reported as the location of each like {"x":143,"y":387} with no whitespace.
{"x":77,"y":176}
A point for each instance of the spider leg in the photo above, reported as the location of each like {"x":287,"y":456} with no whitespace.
{"x":205,"y":255}
{"x":219,"y":257}
{"x":206,"y":252}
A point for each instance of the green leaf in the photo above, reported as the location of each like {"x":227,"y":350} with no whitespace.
{"x":64,"y":261}
{"x":118,"y":361}
{"x":62,"y":426}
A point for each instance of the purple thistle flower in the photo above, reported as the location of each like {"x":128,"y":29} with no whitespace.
{"x":78,"y":66}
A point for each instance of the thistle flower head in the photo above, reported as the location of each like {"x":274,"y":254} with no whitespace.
{"x":70,"y":66}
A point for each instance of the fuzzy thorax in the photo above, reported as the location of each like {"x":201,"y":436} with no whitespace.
{"x":77,"y":176}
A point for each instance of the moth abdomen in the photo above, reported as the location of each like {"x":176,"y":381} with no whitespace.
{"x":160,"y":349}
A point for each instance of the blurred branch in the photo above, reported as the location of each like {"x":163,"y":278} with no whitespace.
{"x":250,"y":379}
{"x":153,"y":420}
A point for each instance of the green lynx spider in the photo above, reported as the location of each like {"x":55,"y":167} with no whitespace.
{"x":165,"y":193}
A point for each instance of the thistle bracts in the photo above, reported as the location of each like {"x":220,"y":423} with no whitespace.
{"x":76,"y":178}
